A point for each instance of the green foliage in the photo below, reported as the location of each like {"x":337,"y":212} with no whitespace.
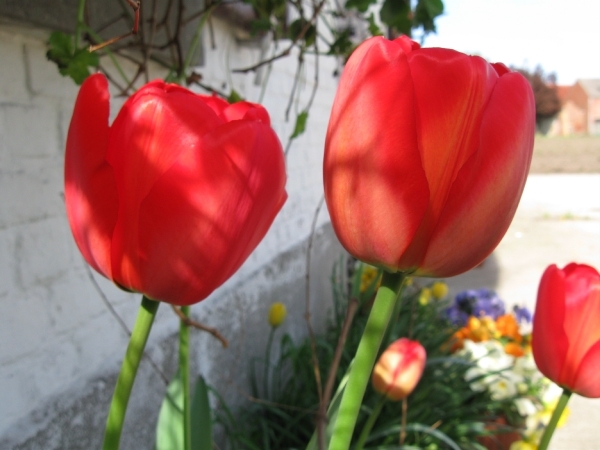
{"x":443,"y":411}
{"x":71,"y":62}
{"x":169,"y":429}
{"x":300,"y":126}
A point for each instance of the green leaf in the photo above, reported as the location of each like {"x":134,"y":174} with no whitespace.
{"x":300,"y":124}
{"x":433,"y":7}
{"x":309,"y":35}
{"x":169,"y":430}
{"x":397,"y":14}
{"x":373,"y":28}
{"x":70,"y":62}
{"x":201,"y":417}
{"x":360,"y":5}
{"x":234,"y":97}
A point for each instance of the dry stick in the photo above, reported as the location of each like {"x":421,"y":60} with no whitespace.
{"x":192,"y":323}
{"x":136,"y":22}
{"x":121,"y":322}
{"x":307,"y":316}
{"x":337,"y":356}
{"x":148,"y":47}
{"x":287,"y":51}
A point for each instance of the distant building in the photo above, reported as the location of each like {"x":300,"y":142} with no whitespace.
{"x":580,"y":113}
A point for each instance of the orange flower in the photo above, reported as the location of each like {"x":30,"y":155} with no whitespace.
{"x":508,"y":326}
{"x":514,"y":349}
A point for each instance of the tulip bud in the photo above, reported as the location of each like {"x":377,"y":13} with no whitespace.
{"x":566,"y":332}
{"x":399,"y":369}
{"x":277,"y":314}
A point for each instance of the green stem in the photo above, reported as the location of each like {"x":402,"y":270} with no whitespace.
{"x":131,"y":362}
{"x":80,"y":23}
{"x":369,"y":424}
{"x":560,"y":407}
{"x":184,"y":370}
{"x":268,"y":364}
{"x":367,"y":351}
{"x":195,"y":40}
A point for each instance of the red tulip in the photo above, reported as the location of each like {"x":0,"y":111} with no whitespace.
{"x":426,"y":156}
{"x":566,"y":328}
{"x":172,"y":198}
{"x":399,"y":369}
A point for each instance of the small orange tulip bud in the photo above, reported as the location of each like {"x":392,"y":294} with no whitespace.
{"x":399,"y":369}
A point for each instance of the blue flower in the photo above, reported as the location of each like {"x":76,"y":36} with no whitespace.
{"x":475,"y":302}
{"x":522,"y":314}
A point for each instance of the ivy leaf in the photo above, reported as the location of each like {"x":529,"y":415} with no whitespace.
{"x":397,"y":14}
{"x":425,"y":13}
{"x":360,"y":5}
{"x":342,"y":45}
{"x":70,"y":62}
{"x":373,"y":28}
{"x":300,"y":124}
{"x":296,"y":28}
{"x":234,"y":97}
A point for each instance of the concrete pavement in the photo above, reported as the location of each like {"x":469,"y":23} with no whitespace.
{"x":557,"y":222}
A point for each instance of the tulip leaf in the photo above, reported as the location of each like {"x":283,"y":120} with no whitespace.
{"x":71,"y":62}
{"x":300,"y":124}
{"x":201,"y":417}
{"x":169,"y":430}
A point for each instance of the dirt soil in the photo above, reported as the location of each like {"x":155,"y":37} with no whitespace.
{"x":566,"y":155}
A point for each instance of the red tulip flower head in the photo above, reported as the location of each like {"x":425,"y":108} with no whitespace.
{"x":172,"y":197}
{"x":566,"y":328}
{"x":426,"y":156}
{"x":399,"y":369}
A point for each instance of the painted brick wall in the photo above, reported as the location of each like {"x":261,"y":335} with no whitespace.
{"x":60,"y":347}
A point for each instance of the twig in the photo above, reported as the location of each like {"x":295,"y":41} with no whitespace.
{"x":287,"y":51}
{"x":192,"y":323}
{"x":307,"y":316}
{"x":122,"y":323}
{"x":337,"y":356}
{"x":136,"y":22}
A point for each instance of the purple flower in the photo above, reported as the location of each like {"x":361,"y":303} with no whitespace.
{"x":475,"y":302}
{"x":522,"y":314}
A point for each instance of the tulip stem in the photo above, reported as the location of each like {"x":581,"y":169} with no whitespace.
{"x":131,"y":362}
{"x":560,"y":407}
{"x":364,"y":434}
{"x":366,"y":354}
{"x":184,"y":370}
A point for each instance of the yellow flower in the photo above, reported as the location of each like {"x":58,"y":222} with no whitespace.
{"x":522,"y":445}
{"x":367,"y":277}
{"x":439,"y":289}
{"x":425,"y":296}
{"x":277,"y":314}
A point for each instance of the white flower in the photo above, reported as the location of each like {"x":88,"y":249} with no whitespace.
{"x":525,"y":407}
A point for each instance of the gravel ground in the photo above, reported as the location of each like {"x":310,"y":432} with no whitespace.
{"x":566,"y":155}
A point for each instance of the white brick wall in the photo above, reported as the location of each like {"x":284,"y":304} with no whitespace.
{"x":55,"y":332}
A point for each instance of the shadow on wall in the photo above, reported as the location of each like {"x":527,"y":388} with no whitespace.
{"x":75,"y":419}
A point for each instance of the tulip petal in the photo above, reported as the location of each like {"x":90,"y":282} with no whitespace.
{"x":154,"y":127}
{"x":488,"y":185}
{"x":582,"y":315}
{"x":451,"y":91}
{"x":90,"y":190}
{"x":375,"y":187}
{"x":549,"y":339}
{"x":209,"y":210}
{"x":587,"y":380}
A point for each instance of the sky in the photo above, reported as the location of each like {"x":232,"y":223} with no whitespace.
{"x":563,"y":36}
